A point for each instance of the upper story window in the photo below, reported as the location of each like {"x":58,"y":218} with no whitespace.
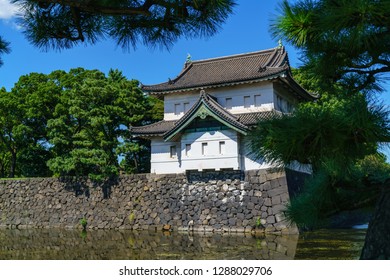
{"x":258,"y":100}
{"x":177,"y":109}
{"x":247,"y":101}
{"x":186,"y":106}
{"x":228,"y":103}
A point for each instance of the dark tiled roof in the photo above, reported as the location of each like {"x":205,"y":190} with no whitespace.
{"x":227,"y":70}
{"x":244,"y":121}
{"x":212,"y":105}
{"x":154,"y":129}
{"x":250,"y":119}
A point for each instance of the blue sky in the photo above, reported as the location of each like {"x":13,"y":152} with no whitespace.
{"x":246,"y":30}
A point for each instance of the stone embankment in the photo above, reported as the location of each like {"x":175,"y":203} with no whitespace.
{"x":226,"y":201}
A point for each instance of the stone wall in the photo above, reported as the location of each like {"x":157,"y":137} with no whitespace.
{"x":226,"y":201}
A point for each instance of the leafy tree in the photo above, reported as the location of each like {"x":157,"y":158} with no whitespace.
{"x":334,"y":129}
{"x":24,"y":113}
{"x":4,"y":155}
{"x":138,"y":152}
{"x":13,"y":130}
{"x":346,"y":41}
{"x":63,"y":24}
{"x":338,"y":136}
{"x":92,"y":120}
{"x":4,"y":160}
{"x":345,"y":47}
{"x":74,"y":123}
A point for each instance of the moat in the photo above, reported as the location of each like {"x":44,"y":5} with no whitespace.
{"x":60,"y":244}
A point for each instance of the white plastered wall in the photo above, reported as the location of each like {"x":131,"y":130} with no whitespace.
{"x":161,"y":161}
{"x":249,"y":161}
{"x":259,"y":95}
{"x":210,"y":150}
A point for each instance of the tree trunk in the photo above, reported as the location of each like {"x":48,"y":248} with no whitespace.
{"x":13,"y":165}
{"x":377,"y":243}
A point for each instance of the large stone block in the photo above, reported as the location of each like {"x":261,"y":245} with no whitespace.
{"x":271,"y":220}
{"x":267,"y":202}
{"x":277,"y":191}
{"x":276,"y":200}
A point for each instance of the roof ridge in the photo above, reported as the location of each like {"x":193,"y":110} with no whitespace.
{"x":232,"y":56}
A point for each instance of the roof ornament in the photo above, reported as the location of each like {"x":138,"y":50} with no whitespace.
{"x":203,"y":113}
{"x":188,"y":59}
{"x":280,"y":44}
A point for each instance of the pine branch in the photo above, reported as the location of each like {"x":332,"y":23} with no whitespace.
{"x":63,"y":23}
{"x":87,"y":6}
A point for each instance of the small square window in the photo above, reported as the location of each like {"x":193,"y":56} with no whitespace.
{"x":177,"y":109}
{"x":222,"y":149}
{"x":258,"y":100}
{"x":173,"y":151}
{"x":204,"y":149}
{"x":188,"y":150}
{"x":247,"y":101}
{"x":228,"y":103}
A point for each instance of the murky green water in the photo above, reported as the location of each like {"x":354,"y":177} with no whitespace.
{"x":100,"y":245}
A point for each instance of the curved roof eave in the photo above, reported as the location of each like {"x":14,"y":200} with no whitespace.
{"x":299,"y":90}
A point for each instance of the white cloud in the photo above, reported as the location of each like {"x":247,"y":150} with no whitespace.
{"x":7,"y":10}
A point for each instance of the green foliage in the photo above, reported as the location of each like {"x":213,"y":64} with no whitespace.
{"x":4,"y":48}
{"x":310,"y":209}
{"x":345,"y":48}
{"x":131,"y":217}
{"x":373,"y":168}
{"x":23,"y":118}
{"x":83,"y":222}
{"x":345,"y":41}
{"x":137,"y":151}
{"x":258,"y":223}
{"x":339,"y":137}
{"x":64,"y":24}
{"x":90,"y":128}
{"x":329,"y":192}
{"x":74,"y":123}
{"x":333,"y":129}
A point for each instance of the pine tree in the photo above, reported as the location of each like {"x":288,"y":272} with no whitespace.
{"x":64,"y":24}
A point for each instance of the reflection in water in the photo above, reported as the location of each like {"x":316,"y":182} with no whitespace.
{"x":336,"y":244}
{"x":112,"y":244}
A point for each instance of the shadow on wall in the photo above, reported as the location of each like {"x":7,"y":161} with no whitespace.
{"x":295,"y":181}
{"x":80,"y":186}
{"x":206,"y":176}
